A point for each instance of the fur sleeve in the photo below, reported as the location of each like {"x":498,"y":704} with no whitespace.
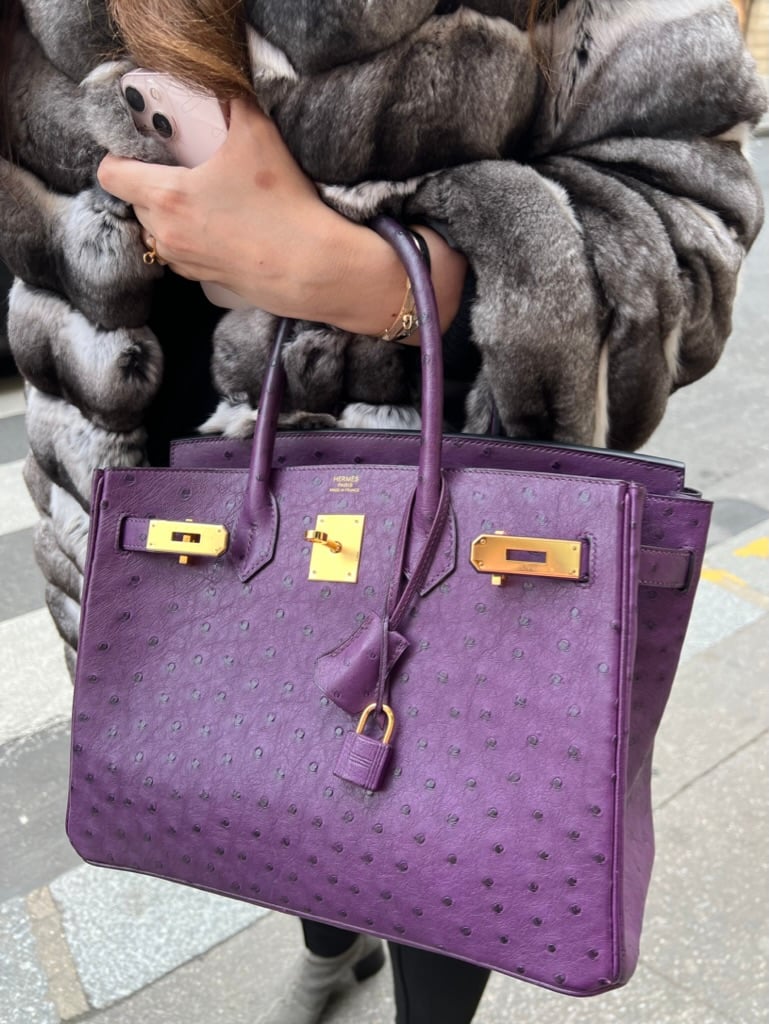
{"x":78,"y":309}
{"x":607,"y":268}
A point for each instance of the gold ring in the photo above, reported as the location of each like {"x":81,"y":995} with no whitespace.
{"x":151,"y":255}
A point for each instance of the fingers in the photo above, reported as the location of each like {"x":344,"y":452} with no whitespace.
{"x":133,"y":181}
{"x":141,"y":185}
{"x":114,"y":175}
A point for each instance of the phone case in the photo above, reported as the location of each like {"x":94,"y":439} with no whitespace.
{"x":192,"y":125}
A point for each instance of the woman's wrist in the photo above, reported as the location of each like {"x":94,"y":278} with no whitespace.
{"x":356,"y":281}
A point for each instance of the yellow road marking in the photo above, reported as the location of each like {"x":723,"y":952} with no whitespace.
{"x":728,"y":581}
{"x":756,"y":549}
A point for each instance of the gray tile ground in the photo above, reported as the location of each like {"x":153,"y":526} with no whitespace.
{"x":13,"y":440}
{"x":716,"y":615}
{"x":64,"y":986}
{"x":23,"y":588}
{"x":746,"y":557}
{"x":17,"y":511}
{"x":232,"y":983}
{"x":732,"y":516}
{"x":11,"y":397}
{"x":36,"y":690}
{"x":712,"y":846}
{"x":33,"y":795}
{"x":718,"y":706}
{"x":648,"y":999}
{"x":24,"y":998}
{"x":125,"y":931}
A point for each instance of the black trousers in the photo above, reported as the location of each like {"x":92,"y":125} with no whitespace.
{"x":429,"y":988}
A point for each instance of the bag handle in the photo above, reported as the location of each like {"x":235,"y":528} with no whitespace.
{"x":253,"y":541}
{"x":429,"y":475}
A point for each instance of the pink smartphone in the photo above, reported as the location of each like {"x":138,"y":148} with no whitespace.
{"x":192,"y":125}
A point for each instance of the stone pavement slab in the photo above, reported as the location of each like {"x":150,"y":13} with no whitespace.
{"x":12,"y":403}
{"x":13,"y":442}
{"x":718,"y":706}
{"x":34,"y":847}
{"x":743,"y":564}
{"x":17,"y":512}
{"x":707,"y":914}
{"x":734,"y":514}
{"x":124,"y":930}
{"x":41,"y":694}
{"x":23,"y":587}
{"x":235,"y":982}
{"x":717,"y":614}
{"x":64,"y":988}
{"x":24,"y":998}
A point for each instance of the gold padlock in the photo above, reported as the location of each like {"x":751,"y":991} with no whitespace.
{"x":368,"y":712}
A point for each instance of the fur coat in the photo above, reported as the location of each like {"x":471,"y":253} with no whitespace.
{"x":604,"y":207}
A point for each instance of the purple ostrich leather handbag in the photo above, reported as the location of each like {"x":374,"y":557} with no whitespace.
{"x":406,"y":684}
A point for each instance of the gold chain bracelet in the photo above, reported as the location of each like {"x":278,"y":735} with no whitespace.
{"x":406,"y":321}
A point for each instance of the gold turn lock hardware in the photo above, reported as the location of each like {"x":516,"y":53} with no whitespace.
{"x":319,"y":537}
{"x":185,"y":538}
{"x":502,"y":555}
{"x":389,"y":715}
{"x":336,"y":543}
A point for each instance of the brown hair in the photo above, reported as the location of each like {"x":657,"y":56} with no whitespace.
{"x":204,"y":41}
{"x":200,"y":41}
{"x":539,"y":11}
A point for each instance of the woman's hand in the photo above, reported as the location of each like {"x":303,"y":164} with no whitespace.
{"x":241,"y":219}
{"x":249,"y":219}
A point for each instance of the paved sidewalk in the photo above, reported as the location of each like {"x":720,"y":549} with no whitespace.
{"x":80,"y":943}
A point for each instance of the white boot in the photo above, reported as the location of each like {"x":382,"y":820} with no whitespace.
{"x":319,"y":977}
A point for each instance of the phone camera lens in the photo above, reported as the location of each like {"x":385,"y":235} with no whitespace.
{"x":134,"y":99}
{"x":162,"y":125}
